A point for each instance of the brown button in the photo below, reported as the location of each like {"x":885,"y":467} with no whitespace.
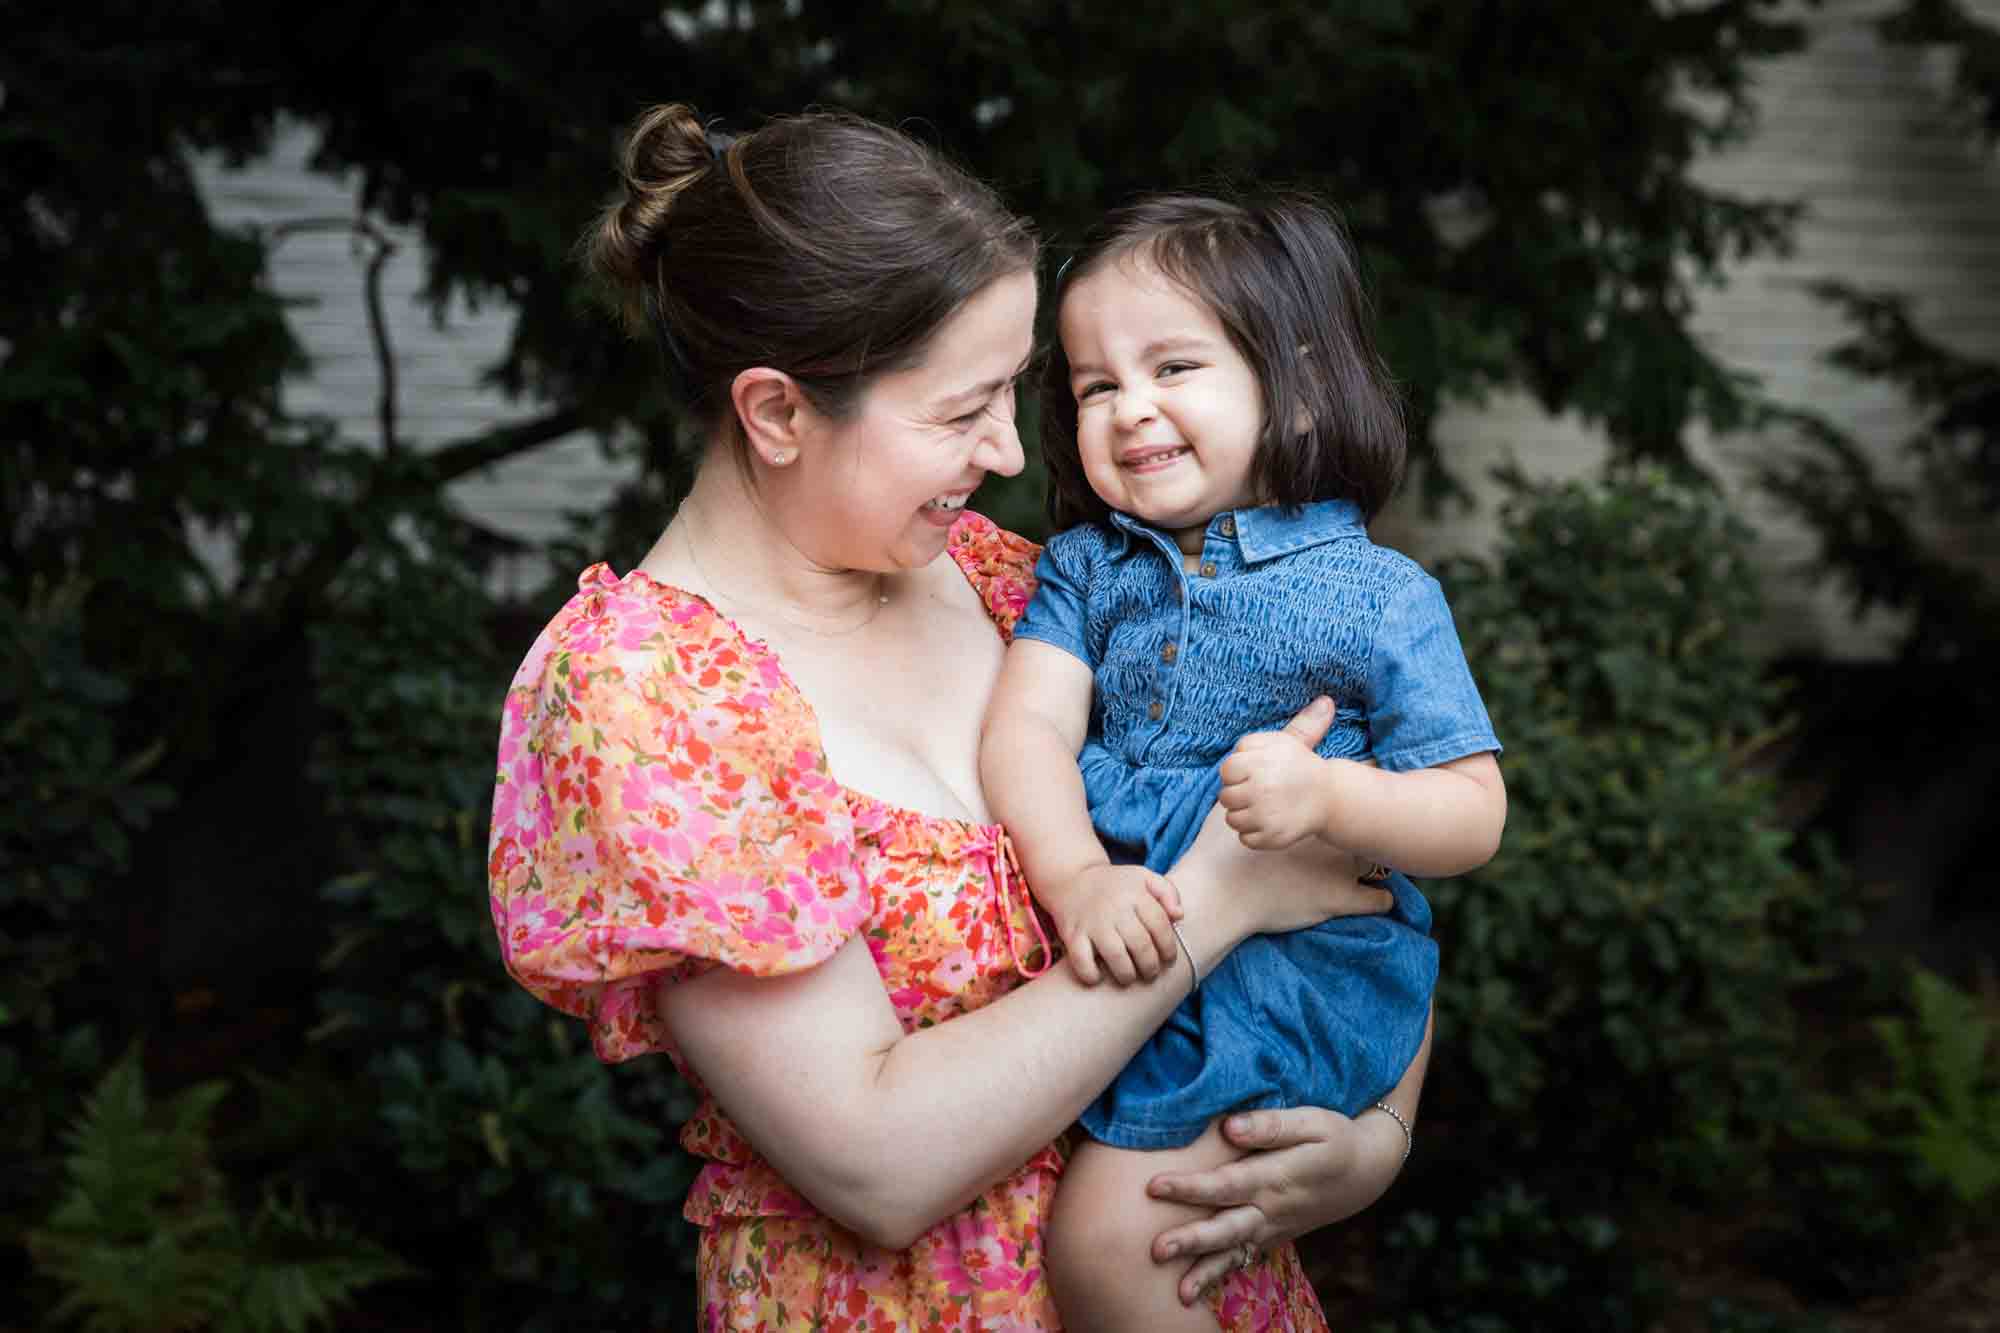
{"x":1208,"y":569}
{"x":1169,"y":653}
{"x":1228,"y":525}
{"x":1155,"y":709}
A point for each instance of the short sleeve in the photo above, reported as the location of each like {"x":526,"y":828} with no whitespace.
{"x":1057,"y":614}
{"x":1423,"y":708}
{"x":998,"y":564}
{"x":662,"y":806}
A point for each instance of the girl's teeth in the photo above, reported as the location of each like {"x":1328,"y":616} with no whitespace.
{"x":944,"y":502}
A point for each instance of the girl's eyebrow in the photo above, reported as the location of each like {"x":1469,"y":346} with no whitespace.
{"x":1157,"y":347}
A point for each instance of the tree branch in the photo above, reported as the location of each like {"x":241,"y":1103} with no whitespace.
{"x":378,"y":325}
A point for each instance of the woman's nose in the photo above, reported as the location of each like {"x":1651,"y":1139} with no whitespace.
{"x":1000,"y":448}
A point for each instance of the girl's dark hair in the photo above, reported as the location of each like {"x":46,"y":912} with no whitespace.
{"x":823,"y":245}
{"x":1280,"y":275}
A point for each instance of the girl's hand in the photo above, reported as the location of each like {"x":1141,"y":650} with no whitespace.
{"x":1309,"y":1167}
{"x":1275,"y":787}
{"x":1119,"y":921}
{"x":1273,"y":892}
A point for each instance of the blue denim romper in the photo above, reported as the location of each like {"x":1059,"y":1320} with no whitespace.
{"x":1285,"y":606}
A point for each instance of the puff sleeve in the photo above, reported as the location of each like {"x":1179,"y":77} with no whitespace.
{"x":1000,"y":566}
{"x":662,"y":805}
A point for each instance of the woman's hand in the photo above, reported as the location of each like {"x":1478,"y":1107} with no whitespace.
{"x":1305,"y":1167}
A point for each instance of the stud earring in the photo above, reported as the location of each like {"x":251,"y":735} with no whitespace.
{"x":782,"y":457}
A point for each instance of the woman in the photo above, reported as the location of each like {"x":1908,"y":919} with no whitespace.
{"x":738,"y":819}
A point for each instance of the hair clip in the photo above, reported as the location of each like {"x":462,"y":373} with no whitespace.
{"x":718,"y":143}
{"x":1063,"y":268}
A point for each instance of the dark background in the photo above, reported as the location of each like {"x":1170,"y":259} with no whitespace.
{"x":1717,"y":1034}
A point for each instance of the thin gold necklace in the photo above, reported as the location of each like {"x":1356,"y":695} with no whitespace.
{"x":687,"y":540}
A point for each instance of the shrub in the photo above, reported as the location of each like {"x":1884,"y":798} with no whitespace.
{"x":1616,"y":981}
{"x":72,"y":796}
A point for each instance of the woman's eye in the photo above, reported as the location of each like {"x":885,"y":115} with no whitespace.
{"x":1175,"y":367}
{"x":1101,"y":386}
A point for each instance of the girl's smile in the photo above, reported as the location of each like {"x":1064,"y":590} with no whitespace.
{"x":1169,"y":413}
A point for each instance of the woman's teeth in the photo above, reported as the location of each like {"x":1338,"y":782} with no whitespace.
{"x":948,"y":502}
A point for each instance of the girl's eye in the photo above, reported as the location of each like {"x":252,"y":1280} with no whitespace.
{"x":1101,"y":386}
{"x":1175,"y":367}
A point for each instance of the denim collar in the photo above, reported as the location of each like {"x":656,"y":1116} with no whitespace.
{"x":1268,"y":531}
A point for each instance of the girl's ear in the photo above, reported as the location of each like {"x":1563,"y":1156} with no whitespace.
{"x":773,"y":411}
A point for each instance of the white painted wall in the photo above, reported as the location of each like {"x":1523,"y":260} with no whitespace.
{"x":440,"y":367}
{"x":1897,"y":196}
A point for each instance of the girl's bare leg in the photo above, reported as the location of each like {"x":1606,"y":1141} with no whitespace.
{"x":1100,"y":1239}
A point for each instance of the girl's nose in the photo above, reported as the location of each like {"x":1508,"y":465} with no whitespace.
{"x":1134,"y":407}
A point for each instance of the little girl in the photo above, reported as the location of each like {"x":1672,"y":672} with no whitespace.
{"x":1218,"y":429}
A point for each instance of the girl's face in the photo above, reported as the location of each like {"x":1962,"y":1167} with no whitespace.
{"x":882,"y":488}
{"x":1168,"y":412}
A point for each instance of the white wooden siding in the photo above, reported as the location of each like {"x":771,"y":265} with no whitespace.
{"x":1900,"y":194}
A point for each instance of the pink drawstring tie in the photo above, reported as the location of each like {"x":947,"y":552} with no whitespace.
{"x":1000,"y":853}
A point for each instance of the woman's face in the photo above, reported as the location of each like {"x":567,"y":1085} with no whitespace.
{"x":880,"y":489}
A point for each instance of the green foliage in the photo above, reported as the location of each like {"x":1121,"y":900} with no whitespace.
{"x":146,"y":1240}
{"x":1938,"y":1112}
{"x":1617,"y":978}
{"x":1976,"y":44}
{"x":73,"y":796}
{"x":1514,"y":1261}
{"x":1890,"y":544}
{"x":550,"y":1181}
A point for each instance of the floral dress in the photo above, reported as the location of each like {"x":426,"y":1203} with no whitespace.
{"x":662,"y":807}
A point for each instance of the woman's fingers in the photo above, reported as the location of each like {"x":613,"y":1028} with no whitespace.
{"x":1279,"y":1128}
{"x":1215,"y":1243}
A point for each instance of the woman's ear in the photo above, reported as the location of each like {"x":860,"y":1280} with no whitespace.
{"x":773,"y":411}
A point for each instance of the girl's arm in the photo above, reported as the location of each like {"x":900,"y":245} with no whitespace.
{"x":1035,"y":725}
{"x":1428,"y":822}
{"x":888,"y":1131}
{"x":1119,"y":917}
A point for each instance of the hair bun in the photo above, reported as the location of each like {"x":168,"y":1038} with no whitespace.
{"x":666,"y":150}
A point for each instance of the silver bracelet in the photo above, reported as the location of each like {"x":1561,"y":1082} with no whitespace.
{"x":1193,"y":971}
{"x":1409,"y":1139}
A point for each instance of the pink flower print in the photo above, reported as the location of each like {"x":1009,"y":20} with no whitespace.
{"x":579,"y":854}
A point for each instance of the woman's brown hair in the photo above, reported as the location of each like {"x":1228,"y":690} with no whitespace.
{"x":823,"y":245}
{"x":1279,"y":273}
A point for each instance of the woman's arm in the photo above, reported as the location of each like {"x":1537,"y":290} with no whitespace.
{"x":1309,"y":1167}
{"x":888,"y":1131}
